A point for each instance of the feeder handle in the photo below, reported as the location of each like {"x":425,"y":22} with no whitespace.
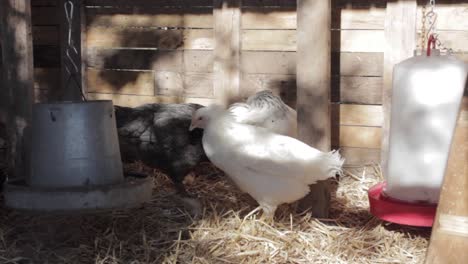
{"x":431,"y":40}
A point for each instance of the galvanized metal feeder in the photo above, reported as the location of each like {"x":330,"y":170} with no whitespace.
{"x":75,"y":162}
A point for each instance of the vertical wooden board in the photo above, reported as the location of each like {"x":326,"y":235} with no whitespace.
{"x":313,"y":89}
{"x":400,"y":39}
{"x":449,"y":238}
{"x":17,"y":95}
{"x":226,"y":68}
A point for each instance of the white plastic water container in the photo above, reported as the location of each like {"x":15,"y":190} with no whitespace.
{"x":427,"y":93}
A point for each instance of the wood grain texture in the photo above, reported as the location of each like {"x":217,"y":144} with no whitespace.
{"x":201,"y":39}
{"x":226,"y":66}
{"x":449,"y":239}
{"x":120,"y":82}
{"x":313,"y":89}
{"x":17,"y":95}
{"x":201,"y":17}
{"x":360,"y":156}
{"x":357,"y":90}
{"x":400,"y":35}
{"x":136,"y":100}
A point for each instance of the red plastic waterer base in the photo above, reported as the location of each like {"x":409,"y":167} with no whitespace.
{"x":399,"y":212}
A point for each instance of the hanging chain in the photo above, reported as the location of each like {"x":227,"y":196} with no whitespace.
{"x":423,"y":28}
{"x":70,"y":65}
{"x":430,"y":18}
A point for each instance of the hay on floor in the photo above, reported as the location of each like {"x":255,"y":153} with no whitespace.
{"x":163,"y":232}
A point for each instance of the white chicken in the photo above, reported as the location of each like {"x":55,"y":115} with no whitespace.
{"x":266,"y":110}
{"x":272,"y":168}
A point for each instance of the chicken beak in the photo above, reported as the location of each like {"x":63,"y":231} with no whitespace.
{"x":192,"y":126}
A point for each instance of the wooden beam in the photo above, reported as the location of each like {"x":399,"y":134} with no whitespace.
{"x":73,"y":79}
{"x":17,"y":92}
{"x":227,"y":14}
{"x":449,"y":239}
{"x":313,"y":89}
{"x":400,"y":41}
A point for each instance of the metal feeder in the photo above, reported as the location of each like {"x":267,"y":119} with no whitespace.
{"x":75,"y":162}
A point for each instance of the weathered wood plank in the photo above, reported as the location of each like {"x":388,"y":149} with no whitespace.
{"x":269,"y":40}
{"x":45,"y":35}
{"x":149,"y":3}
{"x":193,"y":85}
{"x":357,"y":63}
{"x":357,"y":115}
{"x":201,"y":39}
{"x":268,"y":18}
{"x":35,"y":3}
{"x":354,"y":18}
{"x":359,"y":136}
{"x":285,"y":40}
{"x":313,"y":89}
{"x":17,"y":95}
{"x":120,"y":82}
{"x":44,"y":16}
{"x":198,"y":61}
{"x":136,"y":100}
{"x":400,"y":36}
{"x":150,"y":17}
{"x":135,"y":59}
{"x":268,"y":3}
{"x":268,"y":62}
{"x":227,"y":34}
{"x":449,"y":239}
{"x":360,"y":156}
{"x":357,"y":90}
{"x":449,"y":16}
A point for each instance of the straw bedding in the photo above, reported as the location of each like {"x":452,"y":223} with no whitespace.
{"x":227,"y":232}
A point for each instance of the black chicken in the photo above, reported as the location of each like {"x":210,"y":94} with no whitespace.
{"x":159,"y":136}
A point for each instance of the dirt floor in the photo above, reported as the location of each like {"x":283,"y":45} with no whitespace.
{"x":163,"y":232}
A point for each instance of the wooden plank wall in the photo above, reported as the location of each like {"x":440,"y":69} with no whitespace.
{"x":150,"y":51}
{"x":146,"y":51}
{"x":46,"y":49}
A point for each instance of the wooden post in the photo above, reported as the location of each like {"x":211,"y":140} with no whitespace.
{"x":400,"y":39}
{"x":226,"y":68}
{"x":17,"y":91}
{"x":449,"y":239}
{"x":72,"y":69}
{"x":313,"y":89}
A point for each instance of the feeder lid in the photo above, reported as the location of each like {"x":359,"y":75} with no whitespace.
{"x":399,"y":212}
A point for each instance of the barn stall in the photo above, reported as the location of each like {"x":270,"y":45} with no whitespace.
{"x":200,"y":51}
